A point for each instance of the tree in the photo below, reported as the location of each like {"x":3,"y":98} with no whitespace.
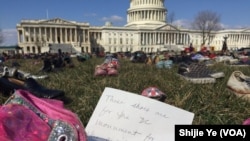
{"x":171,"y":17}
{"x":206,"y":21}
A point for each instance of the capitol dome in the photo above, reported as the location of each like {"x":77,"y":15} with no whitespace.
{"x":146,"y":13}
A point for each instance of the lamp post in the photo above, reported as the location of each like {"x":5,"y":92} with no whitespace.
{"x":224,"y":46}
{"x":225,"y":39}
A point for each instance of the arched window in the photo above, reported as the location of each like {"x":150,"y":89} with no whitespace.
{"x":39,"y":49}
{"x":28,"y":49}
{"x":87,"y":49}
{"x":33,"y":49}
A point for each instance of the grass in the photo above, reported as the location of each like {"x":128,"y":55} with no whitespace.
{"x":211,"y":103}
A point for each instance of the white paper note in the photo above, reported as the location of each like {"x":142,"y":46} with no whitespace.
{"x":125,"y":116}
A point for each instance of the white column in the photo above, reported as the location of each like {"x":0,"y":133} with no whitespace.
{"x":18,"y":36}
{"x":171,"y":37}
{"x":144,"y":38}
{"x":66,"y":35}
{"x":63,"y":40}
{"x":45,"y":34}
{"x":61,"y":36}
{"x":75,"y":35}
{"x":160,"y":15}
{"x":34,"y":34}
{"x":156,"y":38}
{"x":27,"y":30}
{"x":153,"y":38}
{"x":84,"y":36}
{"x":40,"y":34}
{"x":51,"y":35}
{"x":176,"y":38}
{"x":157,"y":15}
{"x":167,"y":37}
{"x":185,"y":39}
{"x":162,"y":38}
{"x":23,"y":37}
{"x":148,"y":39}
{"x":56,"y":39}
{"x":70,"y":34}
{"x":132,"y":16}
{"x":137,"y":15}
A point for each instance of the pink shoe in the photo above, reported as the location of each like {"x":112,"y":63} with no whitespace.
{"x":112,"y":71}
{"x":100,"y":71}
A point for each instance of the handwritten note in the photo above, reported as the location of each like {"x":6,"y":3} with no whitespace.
{"x":125,"y":116}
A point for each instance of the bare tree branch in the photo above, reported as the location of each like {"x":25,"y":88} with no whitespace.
{"x":171,"y":17}
{"x":206,"y":21}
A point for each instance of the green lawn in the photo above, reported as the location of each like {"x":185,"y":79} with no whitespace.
{"x":211,"y":103}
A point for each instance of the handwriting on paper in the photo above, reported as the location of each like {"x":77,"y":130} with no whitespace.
{"x":125,"y":116}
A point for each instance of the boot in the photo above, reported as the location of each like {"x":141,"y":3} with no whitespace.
{"x":47,"y":65}
{"x":8,"y":85}
{"x":40,"y":91}
{"x":7,"y":88}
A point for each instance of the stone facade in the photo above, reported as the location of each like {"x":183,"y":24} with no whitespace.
{"x":146,"y":30}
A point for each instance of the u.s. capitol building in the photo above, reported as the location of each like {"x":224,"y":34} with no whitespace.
{"x":147,"y":29}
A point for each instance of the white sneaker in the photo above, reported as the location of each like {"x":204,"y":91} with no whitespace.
{"x":199,"y":73}
{"x":239,"y":84}
{"x":12,"y":72}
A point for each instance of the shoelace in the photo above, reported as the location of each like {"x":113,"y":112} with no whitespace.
{"x":244,"y":80}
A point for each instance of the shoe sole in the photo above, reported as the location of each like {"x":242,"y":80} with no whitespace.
{"x":205,"y":80}
{"x":244,"y":96}
{"x":239,"y":65}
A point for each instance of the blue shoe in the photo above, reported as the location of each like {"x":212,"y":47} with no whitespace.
{"x":168,"y":64}
{"x":160,"y":64}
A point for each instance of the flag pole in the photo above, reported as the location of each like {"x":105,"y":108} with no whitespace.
{"x":47,"y":14}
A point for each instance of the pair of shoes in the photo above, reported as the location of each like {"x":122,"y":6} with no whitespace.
{"x":100,"y":70}
{"x":106,"y":69}
{"x":168,"y":64}
{"x":112,"y":62}
{"x":9,"y":84}
{"x":111,"y":71}
{"x":198,"y":73}
{"x":164,"y":64}
{"x":239,"y":84}
{"x":47,"y":65}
